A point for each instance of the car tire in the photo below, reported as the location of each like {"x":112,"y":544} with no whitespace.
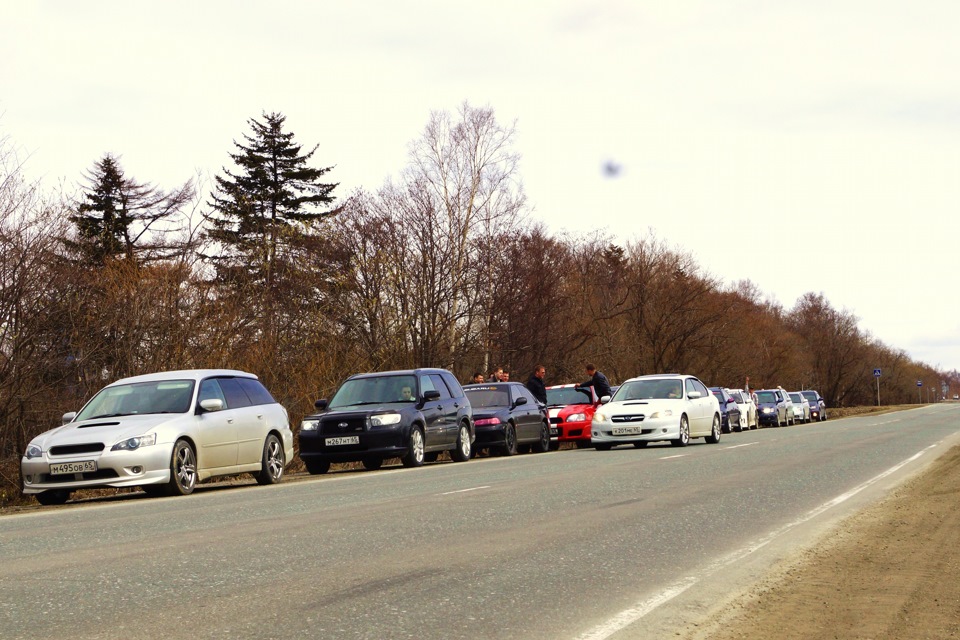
{"x":714,"y":436}
{"x":273,"y":461}
{"x":52,"y":497}
{"x":509,"y":440}
{"x":554,"y":445}
{"x":316,"y":467}
{"x":641,"y":445}
{"x":603,"y":446}
{"x":464,"y":448}
{"x":684,"y":438}
{"x":183,"y":470}
{"x":583,"y":444}
{"x":414,"y":455}
{"x":372,"y":464}
{"x":543,"y":444}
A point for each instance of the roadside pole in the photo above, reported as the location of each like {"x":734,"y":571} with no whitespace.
{"x":876,"y":374}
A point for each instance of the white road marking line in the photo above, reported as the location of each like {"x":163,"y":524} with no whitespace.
{"x":629,"y":616}
{"x":682,"y":455}
{"x":745,"y":444}
{"x":448,"y":493}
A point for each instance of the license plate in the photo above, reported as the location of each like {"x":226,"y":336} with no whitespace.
{"x":332,"y":442}
{"x":627,"y":431}
{"x":72,"y":467}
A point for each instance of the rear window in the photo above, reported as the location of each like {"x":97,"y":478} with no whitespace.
{"x":569,"y":395}
{"x":257,"y":392}
{"x":488,"y":397}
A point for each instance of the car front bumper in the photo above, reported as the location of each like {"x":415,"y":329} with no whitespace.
{"x":147,"y":465}
{"x":654,"y":430}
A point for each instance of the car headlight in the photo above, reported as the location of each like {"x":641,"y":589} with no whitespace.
{"x":576,"y":417}
{"x":767,"y":410}
{"x":309,"y":425}
{"x":666,"y":413}
{"x":384,"y":419}
{"x":132,"y":444}
{"x":34,"y":451}
{"x":599,"y":416}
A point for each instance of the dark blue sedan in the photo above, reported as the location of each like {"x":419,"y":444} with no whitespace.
{"x":507,"y":418}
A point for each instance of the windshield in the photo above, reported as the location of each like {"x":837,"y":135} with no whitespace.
{"x":481,"y":397}
{"x":737,"y":397}
{"x":766,"y":396}
{"x":810,"y":395}
{"x":650,"y":389}
{"x":159,"y":396}
{"x":375,"y":390}
{"x":569,"y":395}
{"x":796,"y":397}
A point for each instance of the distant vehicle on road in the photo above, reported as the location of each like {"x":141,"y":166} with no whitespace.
{"x":748,"y":409}
{"x":163,"y":432}
{"x":818,"y":408}
{"x":571,"y":408}
{"x":729,"y":410}
{"x":772,"y":408}
{"x":656,"y":408}
{"x":413,"y":415}
{"x":802,"y":406}
{"x":507,"y":418}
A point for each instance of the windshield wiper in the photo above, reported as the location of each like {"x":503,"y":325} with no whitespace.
{"x":108,"y":415}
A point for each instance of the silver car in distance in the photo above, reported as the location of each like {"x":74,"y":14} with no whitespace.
{"x":163,"y":432}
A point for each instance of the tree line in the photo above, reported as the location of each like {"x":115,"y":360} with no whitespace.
{"x":275,"y":272}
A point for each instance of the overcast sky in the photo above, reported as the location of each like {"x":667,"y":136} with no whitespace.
{"x":806,"y":145}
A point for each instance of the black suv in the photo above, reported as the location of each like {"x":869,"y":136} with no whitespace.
{"x":413,"y":415}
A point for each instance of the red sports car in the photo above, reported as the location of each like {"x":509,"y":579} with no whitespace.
{"x":570,"y":408}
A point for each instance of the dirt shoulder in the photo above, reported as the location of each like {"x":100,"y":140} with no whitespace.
{"x":889,"y":572}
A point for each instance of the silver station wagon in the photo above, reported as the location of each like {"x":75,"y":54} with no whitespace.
{"x":163,"y":432}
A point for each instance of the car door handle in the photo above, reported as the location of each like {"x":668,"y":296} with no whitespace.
{"x":229,"y":420}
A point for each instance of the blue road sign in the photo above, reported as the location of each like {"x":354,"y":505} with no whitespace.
{"x":919,"y":383}
{"x":876,"y":373}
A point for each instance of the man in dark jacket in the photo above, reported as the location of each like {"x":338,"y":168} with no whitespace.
{"x":599,"y":382}
{"x":535,"y":383}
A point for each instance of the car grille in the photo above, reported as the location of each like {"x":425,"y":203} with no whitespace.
{"x":352,"y":425}
{"x":556,"y":420}
{"x":630,"y":418}
{"x":73,"y":449}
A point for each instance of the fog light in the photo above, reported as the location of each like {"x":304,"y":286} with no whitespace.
{"x":137,"y":470}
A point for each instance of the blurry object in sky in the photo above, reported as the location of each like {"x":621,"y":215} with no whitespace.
{"x":612,"y":169}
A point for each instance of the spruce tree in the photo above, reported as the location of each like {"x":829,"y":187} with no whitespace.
{"x":117,"y":216}
{"x":267,"y":205}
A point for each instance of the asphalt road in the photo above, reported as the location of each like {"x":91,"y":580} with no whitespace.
{"x":630,"y":543}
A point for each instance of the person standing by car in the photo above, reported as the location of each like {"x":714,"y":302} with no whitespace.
{"x":497,"y":375}
{"x":477,"y":378}
{"x":599,"y":382}
{"x":535,"y":384}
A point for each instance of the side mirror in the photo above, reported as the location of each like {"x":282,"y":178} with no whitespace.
{"x":211,"y":404}
{"x":432,"y":394}
{"x":321,"y":404}
{"x":604,"y":399}
{"x":519,"y":401}
{"x":729,"y":400}
{"x":68,"y":417}
{"x":693,"y":395}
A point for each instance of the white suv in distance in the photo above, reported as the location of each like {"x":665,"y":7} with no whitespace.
{"x":163,"y":432}
{"x":656,"y":408}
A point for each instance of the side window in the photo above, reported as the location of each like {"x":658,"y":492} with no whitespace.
{"x":455,"y":389}
{"x":440,"y":386}
{"x":529,"y":396}
{"x":699,"y":386}
{"x":210,"y":390}
{"x":236,"y":396}
{"x":256,"y":391}
{"x":426,"y":384}
{"x":690,"y":387}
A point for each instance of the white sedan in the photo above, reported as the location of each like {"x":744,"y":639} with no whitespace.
{"x":657,"y":408}
{"x":163,"y":432}
{"x":748,"y":409}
